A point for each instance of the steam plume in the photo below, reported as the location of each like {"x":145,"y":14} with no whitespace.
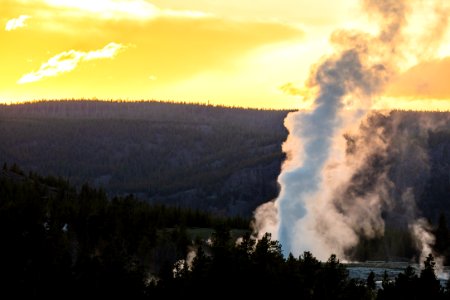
{"x":337,"y":179}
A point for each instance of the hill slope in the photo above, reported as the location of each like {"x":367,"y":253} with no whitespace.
{"x":224,"y":160}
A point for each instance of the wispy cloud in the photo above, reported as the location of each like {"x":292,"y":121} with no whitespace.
{"x":426,"y":80}
{"x":16,"y":23}
{"x":290,"y":89}
{"x":122,"y":8}
{"x":68,"y":61}
{"x":110,"y":8}
{"x":305,"y":94}
{"x":185,"y":13}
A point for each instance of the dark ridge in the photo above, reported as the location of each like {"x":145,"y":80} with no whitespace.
{"x":221,"y":159}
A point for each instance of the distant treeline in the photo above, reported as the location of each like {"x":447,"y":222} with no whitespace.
{"x":155,"y":110}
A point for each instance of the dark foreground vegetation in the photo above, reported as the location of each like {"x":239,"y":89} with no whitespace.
{"x":58,"y":241}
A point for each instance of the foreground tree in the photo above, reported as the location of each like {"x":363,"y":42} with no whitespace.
{"x":407,"y":285}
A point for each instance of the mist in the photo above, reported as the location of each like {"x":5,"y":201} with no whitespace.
{"x":347,"y":172}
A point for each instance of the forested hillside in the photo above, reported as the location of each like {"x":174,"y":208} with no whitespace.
{"x":219,"y":159}
{"x":94,"y":216}
{"x":224,"y":160}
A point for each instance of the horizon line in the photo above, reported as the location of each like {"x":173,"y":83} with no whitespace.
{"x":179,"y":102}
{"x":185,"y":102}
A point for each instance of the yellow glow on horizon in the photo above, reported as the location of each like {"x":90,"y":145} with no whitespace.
{"x":407,"y":103}
{"x":234,"y":53}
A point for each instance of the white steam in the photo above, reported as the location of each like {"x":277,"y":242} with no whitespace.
{"x":327,"y":197}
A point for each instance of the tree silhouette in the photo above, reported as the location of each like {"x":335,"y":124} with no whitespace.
{"x":442,"y":239}
{"x":429,"y":284}
{"x":58,"y":241}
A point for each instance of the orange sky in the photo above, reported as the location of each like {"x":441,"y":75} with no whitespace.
{"x":235,"y":53}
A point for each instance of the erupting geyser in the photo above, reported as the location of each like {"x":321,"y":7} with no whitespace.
{"x":326,"y":202}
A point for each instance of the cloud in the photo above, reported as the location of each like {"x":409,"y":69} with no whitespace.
{"x":290,"y":89}
{"x":425,"y":80}
{"x":16,"y":23}
{"x":68,"y":61}
{"x":100,"y":9}
{"x":193,"y":57}
{"x":175,"y":44}
{"x":116,"y":9}
{"x":110,"y":8}
{"x":179,"y":48}
{"x":309,"y":13}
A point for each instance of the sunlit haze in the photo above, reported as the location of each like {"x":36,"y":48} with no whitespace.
{"x":234,"y":53}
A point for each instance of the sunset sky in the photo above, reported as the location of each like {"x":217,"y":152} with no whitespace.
{"x":234,"y":53}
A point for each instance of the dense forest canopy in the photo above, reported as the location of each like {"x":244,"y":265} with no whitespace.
{"x":220,"y":159}
{"x":58,"y":241}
